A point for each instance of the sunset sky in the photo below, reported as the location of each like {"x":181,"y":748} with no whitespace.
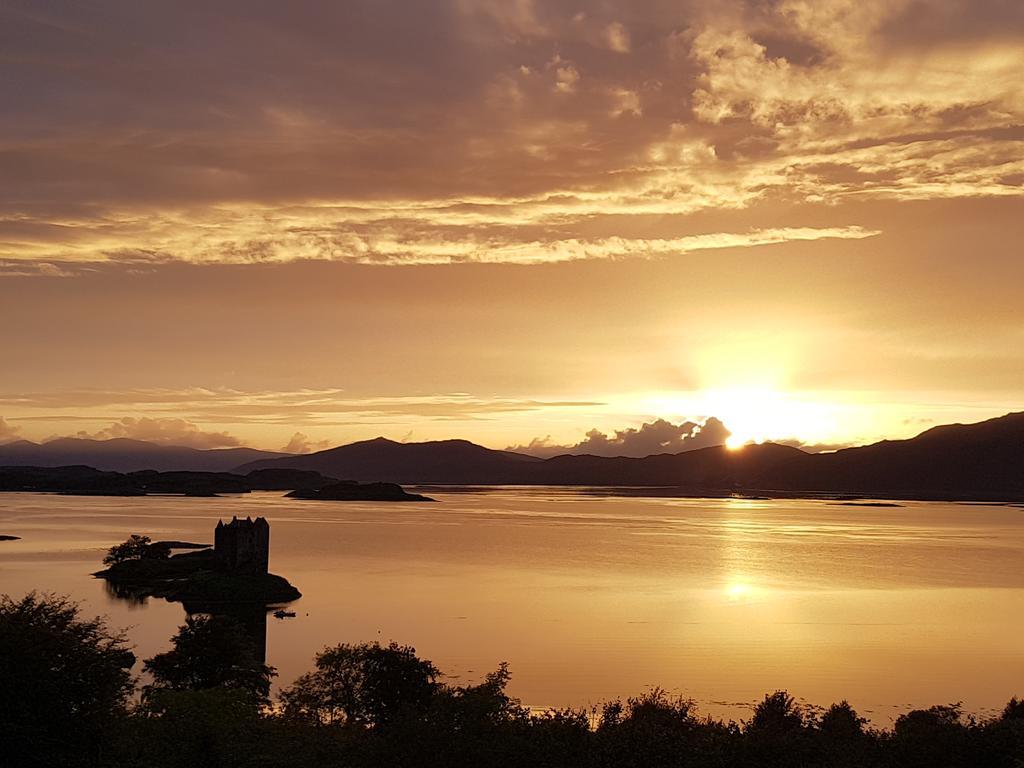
{"x":305,"y":223}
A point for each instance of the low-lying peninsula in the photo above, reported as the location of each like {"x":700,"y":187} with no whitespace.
{"x":86,"y":481}
{"x":302,"y":484}
{"x":352,"y":491}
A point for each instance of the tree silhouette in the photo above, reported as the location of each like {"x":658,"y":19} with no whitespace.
{"x":778,"y":713}
{"x":136,"y":548}
{"x":366,"y":684}
{"x":841,"y":722}
{"x":1014,"y":710}
{"x":210,"y":652}
{"x":64,"y":682}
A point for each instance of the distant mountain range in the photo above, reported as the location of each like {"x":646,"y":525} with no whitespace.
{"x":973,"y":461}
{"x":124,"y":455}
{"x":983,"y":461}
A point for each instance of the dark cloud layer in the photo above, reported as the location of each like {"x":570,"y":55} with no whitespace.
{"x":392,"y":132}
{"x":816,"y":197}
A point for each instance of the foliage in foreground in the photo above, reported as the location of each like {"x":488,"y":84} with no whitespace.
{"x":65,"y":695}
{"x":65,"y":682}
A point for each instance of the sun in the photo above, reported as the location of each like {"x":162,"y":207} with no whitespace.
{"x":758,"y":409}
{"x":755,"y":414}
{"x":752,"y":414}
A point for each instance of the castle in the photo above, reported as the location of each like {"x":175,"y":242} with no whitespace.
{"x":242,"y":546}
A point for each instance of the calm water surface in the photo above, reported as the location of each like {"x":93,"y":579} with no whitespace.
{"x":591,"y":598}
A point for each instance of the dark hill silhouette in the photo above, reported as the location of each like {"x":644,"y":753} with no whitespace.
{"x":975,"y":461}
{"x":126,"y":455}
{"x":983,"y":461}
{"x":381,"y":460}
{"x":716,"y":468}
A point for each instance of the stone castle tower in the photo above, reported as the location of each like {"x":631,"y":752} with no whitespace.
{"x":242,"y":546}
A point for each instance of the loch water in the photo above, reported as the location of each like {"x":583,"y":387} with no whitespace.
{"x":591,"y":597}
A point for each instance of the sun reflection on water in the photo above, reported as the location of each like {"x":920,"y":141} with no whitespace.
{"x":739,"y":590}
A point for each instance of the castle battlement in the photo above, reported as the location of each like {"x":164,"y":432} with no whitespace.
{"x":242,"y":546}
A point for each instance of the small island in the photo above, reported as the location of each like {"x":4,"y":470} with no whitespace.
{"x":233,"y":573}
{"x":9,"y":538}
{"x":352,"y":491}
{"x":865,"y":504}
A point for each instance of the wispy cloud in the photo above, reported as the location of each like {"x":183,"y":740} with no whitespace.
{"x":305,"y":407}
{"x":388,"y":246}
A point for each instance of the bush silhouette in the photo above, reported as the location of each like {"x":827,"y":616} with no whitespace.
{"x":934,"y":736}
{"x":656,"y":729}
